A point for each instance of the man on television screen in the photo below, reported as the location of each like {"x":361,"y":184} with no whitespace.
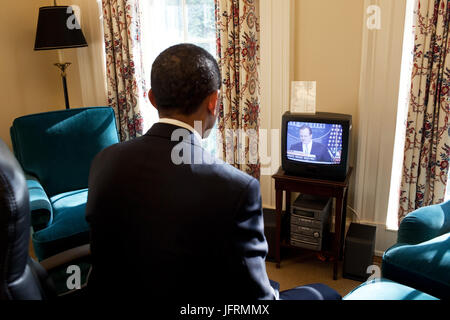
{"x":317,"y":151}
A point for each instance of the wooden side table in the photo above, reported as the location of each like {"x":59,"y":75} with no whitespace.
{"x":325,"y":188}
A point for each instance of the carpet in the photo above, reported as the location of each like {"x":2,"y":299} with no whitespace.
{"x":306,"y":268}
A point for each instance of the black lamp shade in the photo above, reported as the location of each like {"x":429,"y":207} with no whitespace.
{"x":56,"y":29}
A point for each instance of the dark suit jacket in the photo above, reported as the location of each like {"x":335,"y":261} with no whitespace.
{"x":317,"y":149}
{"x":166,"y":231}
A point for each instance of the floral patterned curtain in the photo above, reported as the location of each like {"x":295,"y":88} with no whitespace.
{"x":125,"y":76}
{"x":427,"y":146}
{"x":238,"y":51}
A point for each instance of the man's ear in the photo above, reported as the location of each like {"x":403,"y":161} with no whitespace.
{"x":212,"y":102}
{"x":151,"y":96}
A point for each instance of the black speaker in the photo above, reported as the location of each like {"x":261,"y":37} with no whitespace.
{"x":358,"y":251}
{"x":270,"y":229}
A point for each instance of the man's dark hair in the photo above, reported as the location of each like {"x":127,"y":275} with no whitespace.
{"x":303,"y":127}
{"x":182,"y":77}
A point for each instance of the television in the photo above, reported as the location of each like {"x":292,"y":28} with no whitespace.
{"x":316,"y":145}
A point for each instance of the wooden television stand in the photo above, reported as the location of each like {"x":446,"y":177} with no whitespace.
{"x":324,"y":188}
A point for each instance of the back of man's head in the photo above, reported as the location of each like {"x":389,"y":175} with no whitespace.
{"x":182,"y":77}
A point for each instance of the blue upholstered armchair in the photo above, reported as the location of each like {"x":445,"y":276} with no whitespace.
{"x":421,"y":256}
{"x":55,"y":150}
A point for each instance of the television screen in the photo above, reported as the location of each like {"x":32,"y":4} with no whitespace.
{"x":310,"y":142}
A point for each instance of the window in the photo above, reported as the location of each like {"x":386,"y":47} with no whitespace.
{"x":169,"y":22}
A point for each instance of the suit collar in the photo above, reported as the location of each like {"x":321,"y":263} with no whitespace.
{"x":182,"y":124}
{"x":166,"y":130}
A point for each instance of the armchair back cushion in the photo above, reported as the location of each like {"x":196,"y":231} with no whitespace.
{"x":421,"y":256}
{"x":58,"y":147}
{"x":425,"y":224}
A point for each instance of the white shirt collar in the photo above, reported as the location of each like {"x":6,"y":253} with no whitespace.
{"x":181,"y":124}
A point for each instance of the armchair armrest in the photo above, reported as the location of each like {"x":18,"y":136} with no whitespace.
{"x":40,"y":206}
{"x":65,"y":257}
{"x":425,"y":224}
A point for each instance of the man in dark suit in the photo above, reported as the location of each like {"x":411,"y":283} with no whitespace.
{"x":167,"y":220}
{"x":309,"y":147}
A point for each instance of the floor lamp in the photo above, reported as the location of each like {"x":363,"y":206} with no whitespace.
{"x":58,"y":29}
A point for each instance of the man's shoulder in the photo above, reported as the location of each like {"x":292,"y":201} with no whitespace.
{"x":118,"y":151}
{"x":222,"y":171}
{"x":210,"y":167}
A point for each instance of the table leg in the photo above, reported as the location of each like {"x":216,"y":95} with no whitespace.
{"x":337,"y":233}
{"x":335,"y":269}
{"x":287,"y":234}
{"x":344,"y":223}
{"x":279,"y":208}
{"x":288,"y":201}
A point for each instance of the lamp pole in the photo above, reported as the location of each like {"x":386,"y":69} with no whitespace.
{"x":63,"y":67}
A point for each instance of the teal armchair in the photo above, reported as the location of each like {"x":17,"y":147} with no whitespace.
{"x":421,"y":256}
{"x":55,"y":150}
